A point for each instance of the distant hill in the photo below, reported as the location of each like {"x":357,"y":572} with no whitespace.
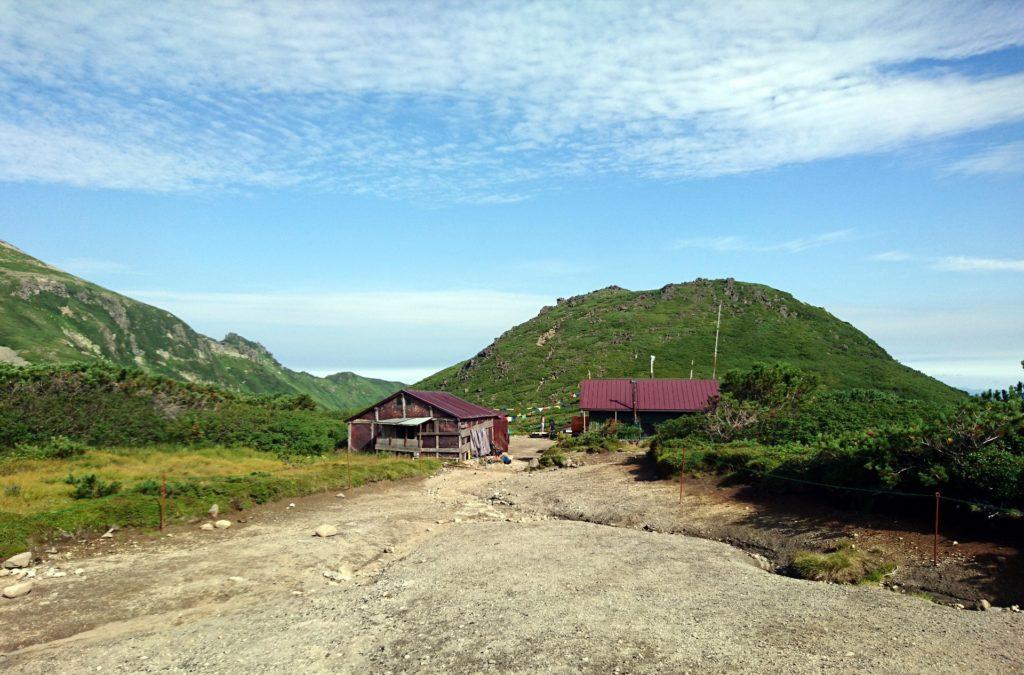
{"x":613,"y":332}
{"x":50,"y":316}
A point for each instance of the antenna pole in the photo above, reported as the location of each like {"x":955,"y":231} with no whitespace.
{"x":652,"y":366}
{"x":718,"y":326}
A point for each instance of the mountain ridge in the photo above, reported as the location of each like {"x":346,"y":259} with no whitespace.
{"x":48,"y":315}
{"x":610,"y":332}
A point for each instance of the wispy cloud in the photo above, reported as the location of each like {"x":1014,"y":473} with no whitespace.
{"x":961,"y":263}
{"x":482,"y":103}
{"x":737,"y":244}
{"x":1006,"y":158}
{"x":891,"y":256}
{"x":407,"y":310}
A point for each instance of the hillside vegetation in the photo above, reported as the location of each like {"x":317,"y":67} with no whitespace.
{"x":773,"y":426}
{"x":50,"y":316}
{"x":102,"y":405}
{"x":85,"y":446}
{"x":612,"y":333}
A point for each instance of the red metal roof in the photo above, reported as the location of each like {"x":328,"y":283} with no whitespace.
{"x":651,"y":395}
{"x":453,"y":405}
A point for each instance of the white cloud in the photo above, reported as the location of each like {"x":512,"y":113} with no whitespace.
{"x":401,"y":335}
{"x":973,"y":347}
{"x":1006,"y":158}
{"x":734,"y":244}
{"x":406,"y":310}
{"x":482,"y":103}
{"x":891,"y":256}
{"x":961,"y":263}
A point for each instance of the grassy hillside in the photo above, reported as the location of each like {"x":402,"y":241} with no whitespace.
{"x":612,"y":333}
{"x":50,"y":316}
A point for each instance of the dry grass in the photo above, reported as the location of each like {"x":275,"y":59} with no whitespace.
{"x":36,"y":502}
{"x":34,"y":485}
{"x":845,"y":564}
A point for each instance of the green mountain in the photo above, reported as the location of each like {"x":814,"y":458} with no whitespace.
{"x":50,"y":316}
{"x":613,"y":332}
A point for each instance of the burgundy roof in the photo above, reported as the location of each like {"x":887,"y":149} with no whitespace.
{"x":451,"y":404}
{"x":651,"y":395}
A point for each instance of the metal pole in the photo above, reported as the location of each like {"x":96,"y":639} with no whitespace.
{"x":163,"y":499}
{"x":935,"y":540}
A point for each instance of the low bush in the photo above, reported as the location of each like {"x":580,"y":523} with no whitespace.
{"x":553,"y":456}
{"x":58,"y":447}
{"x":90,"y":486}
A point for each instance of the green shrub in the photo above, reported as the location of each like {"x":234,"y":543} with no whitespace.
{"x":91,"y":486}
{"x":58,"y":447}
{"x":553,"y":456}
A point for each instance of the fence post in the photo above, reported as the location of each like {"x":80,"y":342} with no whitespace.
{"x":682,"y":468}
{"x":935,"y":539}
{"x":163,"y":499}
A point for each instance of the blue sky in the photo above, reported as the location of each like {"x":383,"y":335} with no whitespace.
{"x":333,"y":180}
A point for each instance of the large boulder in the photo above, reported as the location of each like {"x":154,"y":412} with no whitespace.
{"x":19,"y":560}
{"x":18,"y":590}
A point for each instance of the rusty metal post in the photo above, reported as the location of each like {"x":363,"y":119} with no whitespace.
{"x":163,"y":499}
{"x":935,"y":539}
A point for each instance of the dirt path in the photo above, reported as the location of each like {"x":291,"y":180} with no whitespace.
{"x":503,"y":583}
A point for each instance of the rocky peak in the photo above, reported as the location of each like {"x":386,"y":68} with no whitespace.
{"x":248,"y":348}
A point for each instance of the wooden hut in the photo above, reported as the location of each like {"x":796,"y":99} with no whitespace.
{"x":428,"y":423}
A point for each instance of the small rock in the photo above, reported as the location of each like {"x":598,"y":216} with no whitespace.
{"x":206,"y":526}
{"x":1014,"y":608}
{"x":291,"y":506}
{"x":19,"y":560}
{"x":237,"y":580}
{"x":344,"y":573}
{"x":534,"y":463}
{"x":326,"y":530}
{"x":214,"y":511}
{"x":51,"y":550}
{"x":956,"y":543}
{"x":984,"y":605}
{"x":340,"y":495}
{"x":389,"y":549}
{"x":18,"y":590}
{"x":79,"y":572}
{"x":959,"y":606}
{"x":222,"y":524}
{"x":4,"y":571}
{"x":109,"y":534}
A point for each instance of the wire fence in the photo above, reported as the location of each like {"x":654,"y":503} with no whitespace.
{"x":937,"y":497}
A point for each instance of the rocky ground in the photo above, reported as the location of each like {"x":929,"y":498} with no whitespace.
{"x":475,"y":569}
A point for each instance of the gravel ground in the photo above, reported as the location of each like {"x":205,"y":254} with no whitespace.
{"x":493,"y":587}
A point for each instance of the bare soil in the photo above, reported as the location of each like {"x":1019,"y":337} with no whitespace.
{"x":494,"y":569}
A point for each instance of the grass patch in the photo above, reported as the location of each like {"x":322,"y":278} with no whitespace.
{"x":845,"y":564}
{"x":37,"y":503}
